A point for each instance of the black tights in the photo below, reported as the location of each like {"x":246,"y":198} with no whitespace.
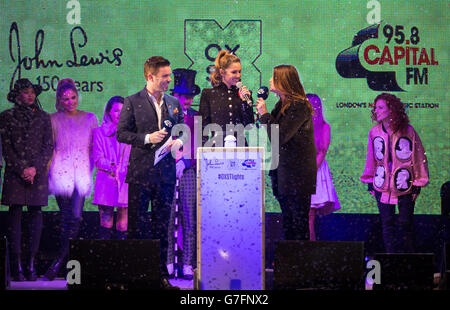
{"x":15,"y":229}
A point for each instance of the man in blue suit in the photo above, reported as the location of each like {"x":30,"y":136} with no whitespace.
{"x":141,"y":125}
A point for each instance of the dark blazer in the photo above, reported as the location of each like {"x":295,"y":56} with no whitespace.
{"x":222,"y":106}
{"x":27,"y":142}
{"x":137,"y":119}
{"x":297,"y":167}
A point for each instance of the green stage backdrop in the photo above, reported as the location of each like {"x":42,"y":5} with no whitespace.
{"x":345,"y":51}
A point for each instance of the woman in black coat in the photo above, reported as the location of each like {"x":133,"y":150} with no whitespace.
{"x":294,"y":180}
{"x":26,"y":134}
{"x":224,"y":104}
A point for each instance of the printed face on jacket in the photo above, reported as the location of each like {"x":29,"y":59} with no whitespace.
{"x":403,"y":149}
{"x":380,"y":177}
{"x":402,"y":179}
{"x":378,"y":148}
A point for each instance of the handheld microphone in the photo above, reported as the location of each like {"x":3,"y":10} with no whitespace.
{"x":263,"y":92}
{"x":246,"y":97}
{"x":167,"y":125}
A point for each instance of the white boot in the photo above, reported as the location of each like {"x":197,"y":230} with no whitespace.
{"x":170,"y":269}
{"x":188,"y":272}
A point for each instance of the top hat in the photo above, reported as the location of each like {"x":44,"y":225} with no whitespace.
{"x":20,"y":85}
{"x":184,"y":83}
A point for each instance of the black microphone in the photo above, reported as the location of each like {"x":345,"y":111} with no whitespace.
{"x":167,"y":125}
{"x":263,"y":92}
{"x":246,"y":96}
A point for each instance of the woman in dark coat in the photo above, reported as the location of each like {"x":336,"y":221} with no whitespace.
{"x":27,"y":140}
{"x":225,"y":104}
{"x":294,"y":180}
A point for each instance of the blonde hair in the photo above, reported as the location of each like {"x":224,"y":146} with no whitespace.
{"x":223,"y":61}
{"x":64,"y":85}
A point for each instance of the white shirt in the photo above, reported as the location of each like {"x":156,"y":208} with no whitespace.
{"x":158,"y":109}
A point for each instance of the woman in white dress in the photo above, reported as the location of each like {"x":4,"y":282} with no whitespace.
{"x":325,"y":200}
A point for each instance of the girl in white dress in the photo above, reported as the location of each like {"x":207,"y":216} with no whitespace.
{"x":325,"y":200}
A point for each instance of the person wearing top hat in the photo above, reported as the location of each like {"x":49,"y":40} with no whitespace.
{"x":27,"y":143}
{"x":185,"y":90}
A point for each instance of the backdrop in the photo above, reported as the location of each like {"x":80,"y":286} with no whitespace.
{"x":346,"y":52}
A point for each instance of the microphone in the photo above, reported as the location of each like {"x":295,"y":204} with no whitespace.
{"x":246,"y":97}
{"x":167,"y":125}
{"x":263,"y":92}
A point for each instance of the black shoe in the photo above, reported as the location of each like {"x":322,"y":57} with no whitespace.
{"x":172,"y":275}
{"x":16,"y":268}
{"x":121,"y":235}
{"x":104,"y":233}
{"x":165,"y":285}
{"x":31,"y":272}
{"x":53,"y":270}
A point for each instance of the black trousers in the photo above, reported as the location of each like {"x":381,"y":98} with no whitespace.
{"x":405,"y":224}
{"x":139,"y":197}
{"x":15,"y":229}
{"x":294,"y":211}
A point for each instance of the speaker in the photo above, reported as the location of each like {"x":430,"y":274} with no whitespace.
{"x":114,"y":264}
{"x":4,"y":265}
{"x":445,"y":199}
{"x":445,"y":272}
{"x":406,"y":271}
{"x":319,"y":265}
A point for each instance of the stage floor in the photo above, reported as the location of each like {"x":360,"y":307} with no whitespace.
{"x":61,"y":284}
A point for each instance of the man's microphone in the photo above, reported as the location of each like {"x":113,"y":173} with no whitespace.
{"x":246,"y":96}
{"x":167,"y":125}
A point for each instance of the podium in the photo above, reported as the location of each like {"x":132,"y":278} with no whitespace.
{"x":230,"y":218}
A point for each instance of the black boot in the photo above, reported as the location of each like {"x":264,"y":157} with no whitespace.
{"x":104,"y":233}
{"x":31,"y":272}
{"x":16,"y":268}
{"x":121,"y":235}
{"x":53,"y":270}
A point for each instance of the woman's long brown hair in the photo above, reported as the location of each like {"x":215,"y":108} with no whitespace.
{"x":287,"y":81}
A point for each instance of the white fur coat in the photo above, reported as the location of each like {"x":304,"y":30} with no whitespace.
{"x":72,"y":163}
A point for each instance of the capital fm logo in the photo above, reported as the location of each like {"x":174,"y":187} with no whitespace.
{"x":205,"y":38}
{"x":390,"y":57}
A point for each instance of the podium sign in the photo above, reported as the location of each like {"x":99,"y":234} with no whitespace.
{"x":230,"y":218}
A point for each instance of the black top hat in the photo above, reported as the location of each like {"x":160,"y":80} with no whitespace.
{"x":184,"y":83}
{"x":20,"y":85}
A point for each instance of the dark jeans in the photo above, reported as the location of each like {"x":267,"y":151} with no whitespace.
{"x":161,"y":196}
{"x":405,"y":223}
{"x":15,"y":229}
{"x":70,"y":211}
{"x":294,"y":211}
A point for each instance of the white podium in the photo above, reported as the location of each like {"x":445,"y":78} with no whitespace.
{"x":230,"y":218}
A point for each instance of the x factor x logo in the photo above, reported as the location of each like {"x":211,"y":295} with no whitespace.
{"x":205,"y":38}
